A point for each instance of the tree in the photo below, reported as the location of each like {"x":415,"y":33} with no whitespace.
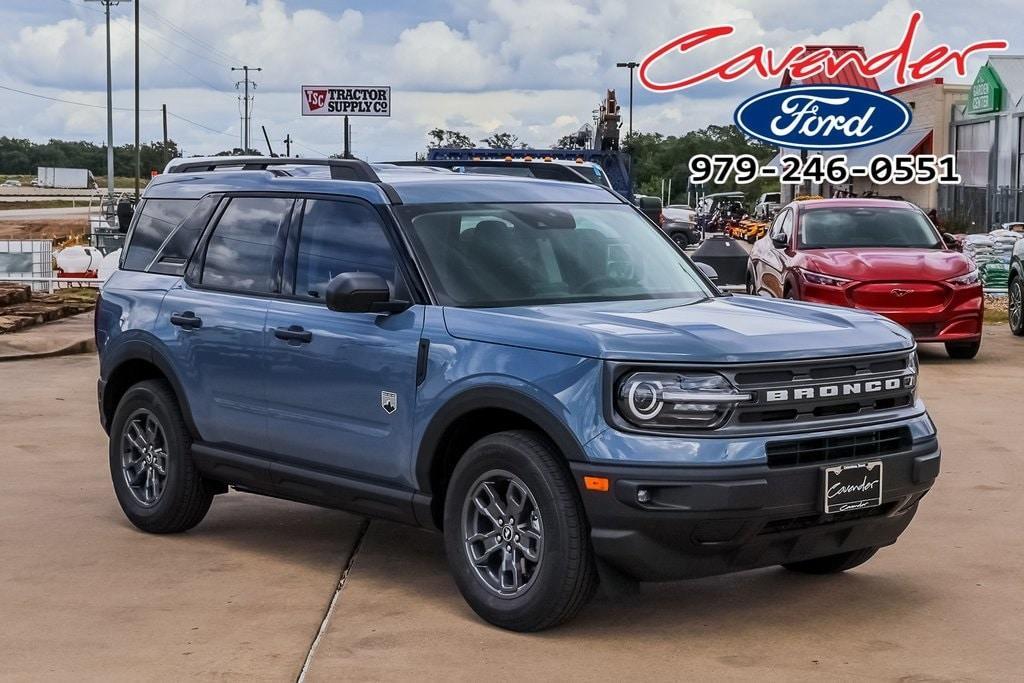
{"x":657,"y":157}
{"x":570,"y":141}
{"x":504,"y":140}
{"x":441,"y":137}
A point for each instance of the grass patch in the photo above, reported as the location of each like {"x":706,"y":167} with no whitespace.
{"x":995,"y":316}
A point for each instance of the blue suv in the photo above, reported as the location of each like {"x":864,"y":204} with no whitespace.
{"x":529,"y":366}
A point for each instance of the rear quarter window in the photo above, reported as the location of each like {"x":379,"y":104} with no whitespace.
{"x":158,"y":218}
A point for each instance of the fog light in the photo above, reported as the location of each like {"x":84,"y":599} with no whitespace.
{"x":643,"y":496}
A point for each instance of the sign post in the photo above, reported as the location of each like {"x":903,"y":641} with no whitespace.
{"x":346,"y":101}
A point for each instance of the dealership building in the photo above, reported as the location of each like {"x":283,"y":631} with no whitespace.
{"x":987,"y":134}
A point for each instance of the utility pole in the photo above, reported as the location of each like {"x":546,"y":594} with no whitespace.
{"x":110,"y":102}
{"x":630,"y":66}
{"x":138,"y":151}
{"x":347,"y":138}
{"x":163,"y":108}
{"x":287,"y":145}
{"x":245,"y":69}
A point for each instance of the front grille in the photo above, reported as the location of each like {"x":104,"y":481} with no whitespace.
{"x":834,"y":448}
{"x":793,"y":392}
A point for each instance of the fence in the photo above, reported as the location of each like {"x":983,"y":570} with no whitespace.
{"x":979,"y":209}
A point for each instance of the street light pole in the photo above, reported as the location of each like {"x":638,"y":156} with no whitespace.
{"x":630,"y":66}
{"x":110,"y":102}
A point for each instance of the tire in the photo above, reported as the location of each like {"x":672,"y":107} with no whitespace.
{"x":963,"y":350}
{"x":1016,"y":306}
{"x":832,"y":564}
{"x":522,"y":471}
{"x":681,"y":239}
{"x":184,"y":498}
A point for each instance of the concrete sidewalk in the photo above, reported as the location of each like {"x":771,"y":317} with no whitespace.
{"x":59,"y":338}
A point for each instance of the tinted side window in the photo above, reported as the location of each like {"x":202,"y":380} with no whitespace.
{"x":340,"y":237}
{"x":158,"y":218}
{"x":244,"y":251}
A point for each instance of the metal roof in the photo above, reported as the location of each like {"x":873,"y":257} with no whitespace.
{"x":848,"y":75}
{"x":1010,"y":69}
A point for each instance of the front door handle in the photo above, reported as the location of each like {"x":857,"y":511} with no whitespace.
{"x":295,"y":333}
{"x":187,"y":320}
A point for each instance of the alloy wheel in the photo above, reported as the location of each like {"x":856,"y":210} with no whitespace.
{"x":144,"y":457}
{"x":503,"y":533}
{"x":1016,"y":305}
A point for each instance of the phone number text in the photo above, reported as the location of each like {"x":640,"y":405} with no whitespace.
{"x":900,"y":169}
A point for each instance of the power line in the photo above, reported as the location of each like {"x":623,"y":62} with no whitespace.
{"x":159,"y":17}
{"x":199,"y":125}
{"x":182,"y":67}
{"x":79,"y":104}
{"x":308,"y":148}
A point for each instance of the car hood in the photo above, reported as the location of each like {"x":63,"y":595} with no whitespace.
{"x":886,"y":265}
{"x":729,"y":329}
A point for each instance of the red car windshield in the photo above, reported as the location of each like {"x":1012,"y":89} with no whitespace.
{"x":840,"y":228}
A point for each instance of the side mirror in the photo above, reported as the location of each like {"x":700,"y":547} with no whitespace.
{"x":950,"y":241}
{"x":361,"y":293}
{"x":781,"y":241}
{"x":709,"y":272}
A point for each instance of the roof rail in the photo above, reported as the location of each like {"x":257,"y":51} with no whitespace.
{"x":341,"y":169}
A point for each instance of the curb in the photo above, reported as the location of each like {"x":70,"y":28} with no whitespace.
{"x":78,"y":347}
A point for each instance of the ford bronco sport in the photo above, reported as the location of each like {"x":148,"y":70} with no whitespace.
{"x":528,"y":366}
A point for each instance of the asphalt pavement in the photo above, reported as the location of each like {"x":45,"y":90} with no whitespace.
{"x":248,"y":594}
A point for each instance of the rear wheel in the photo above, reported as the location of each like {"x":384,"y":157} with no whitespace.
{"x":155,"y":480}
{"x":963,"y":350}
{"x":1016,"y":306}
{"x":516,"y":535}
{"x":832,"y":564}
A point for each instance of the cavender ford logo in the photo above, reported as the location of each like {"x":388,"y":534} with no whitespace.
{"x":899,"y":292}
{"x":840,"y":390}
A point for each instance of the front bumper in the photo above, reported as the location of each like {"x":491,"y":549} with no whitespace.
{"x":706,"y":520}
{"x":959,"y":318}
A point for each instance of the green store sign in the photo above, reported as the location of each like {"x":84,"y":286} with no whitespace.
{"x":986,"y":93}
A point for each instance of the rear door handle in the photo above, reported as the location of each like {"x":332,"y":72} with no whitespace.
{"x":294,"y":333}
{"x":187,"y":320}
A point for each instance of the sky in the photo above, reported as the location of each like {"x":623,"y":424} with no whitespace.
{"x":536,"y":68}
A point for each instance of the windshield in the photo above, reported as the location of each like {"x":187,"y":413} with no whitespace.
{"x":835,"y":228}
{"x":479,"y":255}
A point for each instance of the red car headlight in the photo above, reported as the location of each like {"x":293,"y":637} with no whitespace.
{"x":971,"y":278}
{"x":821,"y":279}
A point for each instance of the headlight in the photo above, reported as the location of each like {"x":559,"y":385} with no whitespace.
{"x":822,"y":279}
{"x":971,"y":278}
{"x":667,"y":400}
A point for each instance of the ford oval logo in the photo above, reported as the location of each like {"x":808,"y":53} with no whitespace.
{"x":822,"y":117}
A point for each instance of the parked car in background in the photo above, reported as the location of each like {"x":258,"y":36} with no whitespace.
{"x":767,"y":205}
{"x":685,"y":212}
{"x":11,"y":183}
{"x":1015,"y":304}
{"x":880,"y":255}
{"x":680,"y":226}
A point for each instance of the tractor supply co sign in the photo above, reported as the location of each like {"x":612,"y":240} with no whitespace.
{"x":346,"y":100}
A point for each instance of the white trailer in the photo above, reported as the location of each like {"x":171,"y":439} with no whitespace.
{"x":68,"y":178}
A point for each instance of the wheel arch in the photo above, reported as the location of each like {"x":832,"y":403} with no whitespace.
{"x":133,"y":362}
{"x":470,"y":416}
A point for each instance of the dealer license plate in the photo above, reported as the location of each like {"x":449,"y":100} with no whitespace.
{"x":853,"y":487}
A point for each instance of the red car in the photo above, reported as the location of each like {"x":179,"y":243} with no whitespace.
{"x":880,"y":255}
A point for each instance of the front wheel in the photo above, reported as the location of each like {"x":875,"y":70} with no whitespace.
{"x":1015,"y":306}
{"x":515,"y":533}
{"x":963,"y":350}
{"x":681,"y":239}
{"x":832,"y":564}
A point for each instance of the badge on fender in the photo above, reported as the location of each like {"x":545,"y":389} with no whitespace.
{"x":389,"y":401}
